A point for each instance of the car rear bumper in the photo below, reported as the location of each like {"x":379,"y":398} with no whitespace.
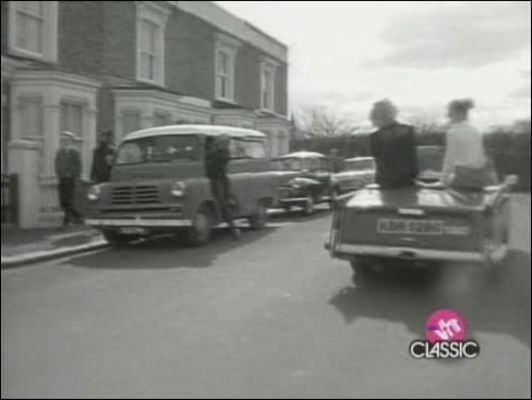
{"x":350,"y":250}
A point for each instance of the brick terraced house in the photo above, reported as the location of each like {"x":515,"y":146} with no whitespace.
{"x":86,"y":66}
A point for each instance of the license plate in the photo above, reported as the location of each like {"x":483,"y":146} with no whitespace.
{"x":409,"y":226}
{"x":133,"y":230}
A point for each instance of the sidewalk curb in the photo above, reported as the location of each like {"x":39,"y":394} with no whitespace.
{"x":38,"y":256}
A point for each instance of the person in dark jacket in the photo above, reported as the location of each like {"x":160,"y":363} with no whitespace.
{"x":68,"y":171}
{"x":393,"y":146}
{"x":216,"y":159}
{"x":102,"y":158}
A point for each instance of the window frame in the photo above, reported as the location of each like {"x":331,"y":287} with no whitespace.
{"x":157,"y":16}
{"x":268,"y":66}
{"x":225,"y":44}
{"x":39,"y":101}
{"x":229,"y":75}
{"x":48,"y":33}
{"x":80,"y":136}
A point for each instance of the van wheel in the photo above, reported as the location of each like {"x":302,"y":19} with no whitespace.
{"x":259,"y":219}
{"x":116,"y":239}
{"x":308,"y":207}
{"x":200,"y":231}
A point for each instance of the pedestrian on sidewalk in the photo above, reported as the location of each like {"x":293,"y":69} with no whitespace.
{"x":102,"y":158}
{"x":68,"y":171}
{"x":216,"y":159}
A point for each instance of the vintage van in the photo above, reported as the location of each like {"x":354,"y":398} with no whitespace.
{"x":158,"y":184}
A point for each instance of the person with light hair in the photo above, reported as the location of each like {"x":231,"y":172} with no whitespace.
{"x":465,"y":163}
{"x":393,"y":146}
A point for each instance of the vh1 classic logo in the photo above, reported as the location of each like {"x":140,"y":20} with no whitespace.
{"x":447,"y":338}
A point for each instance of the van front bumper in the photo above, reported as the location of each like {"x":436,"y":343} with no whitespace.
{"x":141,"y":222}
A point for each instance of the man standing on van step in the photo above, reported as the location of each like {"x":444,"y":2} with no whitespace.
{"x":102,"y":158}
{"x":68,"y":171}
{"x":216,"y":159}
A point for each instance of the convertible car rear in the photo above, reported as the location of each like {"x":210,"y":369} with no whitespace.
{"x":421,"y":224}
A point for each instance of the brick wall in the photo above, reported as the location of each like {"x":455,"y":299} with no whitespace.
{"x":247,"y":77}
{"x":119,"y":32}
{"x":4,"y":27}
{"x":190,"y":64}
{"x":106,"y":109}
{"x":80,"y":38}
{"x":189,"y":55}
{"x":281,"y":89}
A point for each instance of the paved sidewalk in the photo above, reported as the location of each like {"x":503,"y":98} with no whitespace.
{"x":26,"y":246}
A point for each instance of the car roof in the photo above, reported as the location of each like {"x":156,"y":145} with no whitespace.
{"x":301,"y":154}
{"x":209,"y":130}
{"x":359,"y":159}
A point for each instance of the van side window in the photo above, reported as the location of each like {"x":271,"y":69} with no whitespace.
{"x":237,"y":148}
{"x":255,"y":149}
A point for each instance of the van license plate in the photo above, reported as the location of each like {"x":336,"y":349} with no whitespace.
{"x":409,"y":226}
{"x":133,"y":230}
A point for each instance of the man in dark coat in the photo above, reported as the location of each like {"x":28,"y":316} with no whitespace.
{"x":102,"y":158}
{"x":216,"y":158}
{"x":68,"y":171}
{"x":393,"y":146}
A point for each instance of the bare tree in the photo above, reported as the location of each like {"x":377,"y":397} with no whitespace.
{"x":322,"y":121}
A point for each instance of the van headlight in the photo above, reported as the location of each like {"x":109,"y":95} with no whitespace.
{"x":93,"y":193}
{"x":178,"y":189}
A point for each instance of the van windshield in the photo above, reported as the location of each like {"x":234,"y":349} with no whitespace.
{"x":167,"y":148}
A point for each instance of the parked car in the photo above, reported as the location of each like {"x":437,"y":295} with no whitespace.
{"x":306,"y":180}
{"x":421,"y":224}
{"x":358,"y":172}
{"x":158,"y":184}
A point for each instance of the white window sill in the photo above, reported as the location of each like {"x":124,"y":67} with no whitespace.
{"x":16,"y":51}
{"x":226,"y":100}
{"x":150,"y":82}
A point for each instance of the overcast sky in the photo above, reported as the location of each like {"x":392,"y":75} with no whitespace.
{"x":347,"y":55}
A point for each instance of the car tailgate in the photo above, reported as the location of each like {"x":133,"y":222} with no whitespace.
{"x":428,"y":229}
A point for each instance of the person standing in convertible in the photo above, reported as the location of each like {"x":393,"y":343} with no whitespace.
{"x":393,"y":146}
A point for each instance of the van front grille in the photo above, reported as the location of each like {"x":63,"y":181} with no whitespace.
{"x":141,"y":194}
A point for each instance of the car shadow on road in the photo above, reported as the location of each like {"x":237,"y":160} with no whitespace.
{"x":169,"y":251}
{"x":409,"y":297}
{"x":296,"y":215}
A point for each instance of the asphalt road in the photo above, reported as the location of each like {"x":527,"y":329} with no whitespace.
{"x":269,"y":316}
